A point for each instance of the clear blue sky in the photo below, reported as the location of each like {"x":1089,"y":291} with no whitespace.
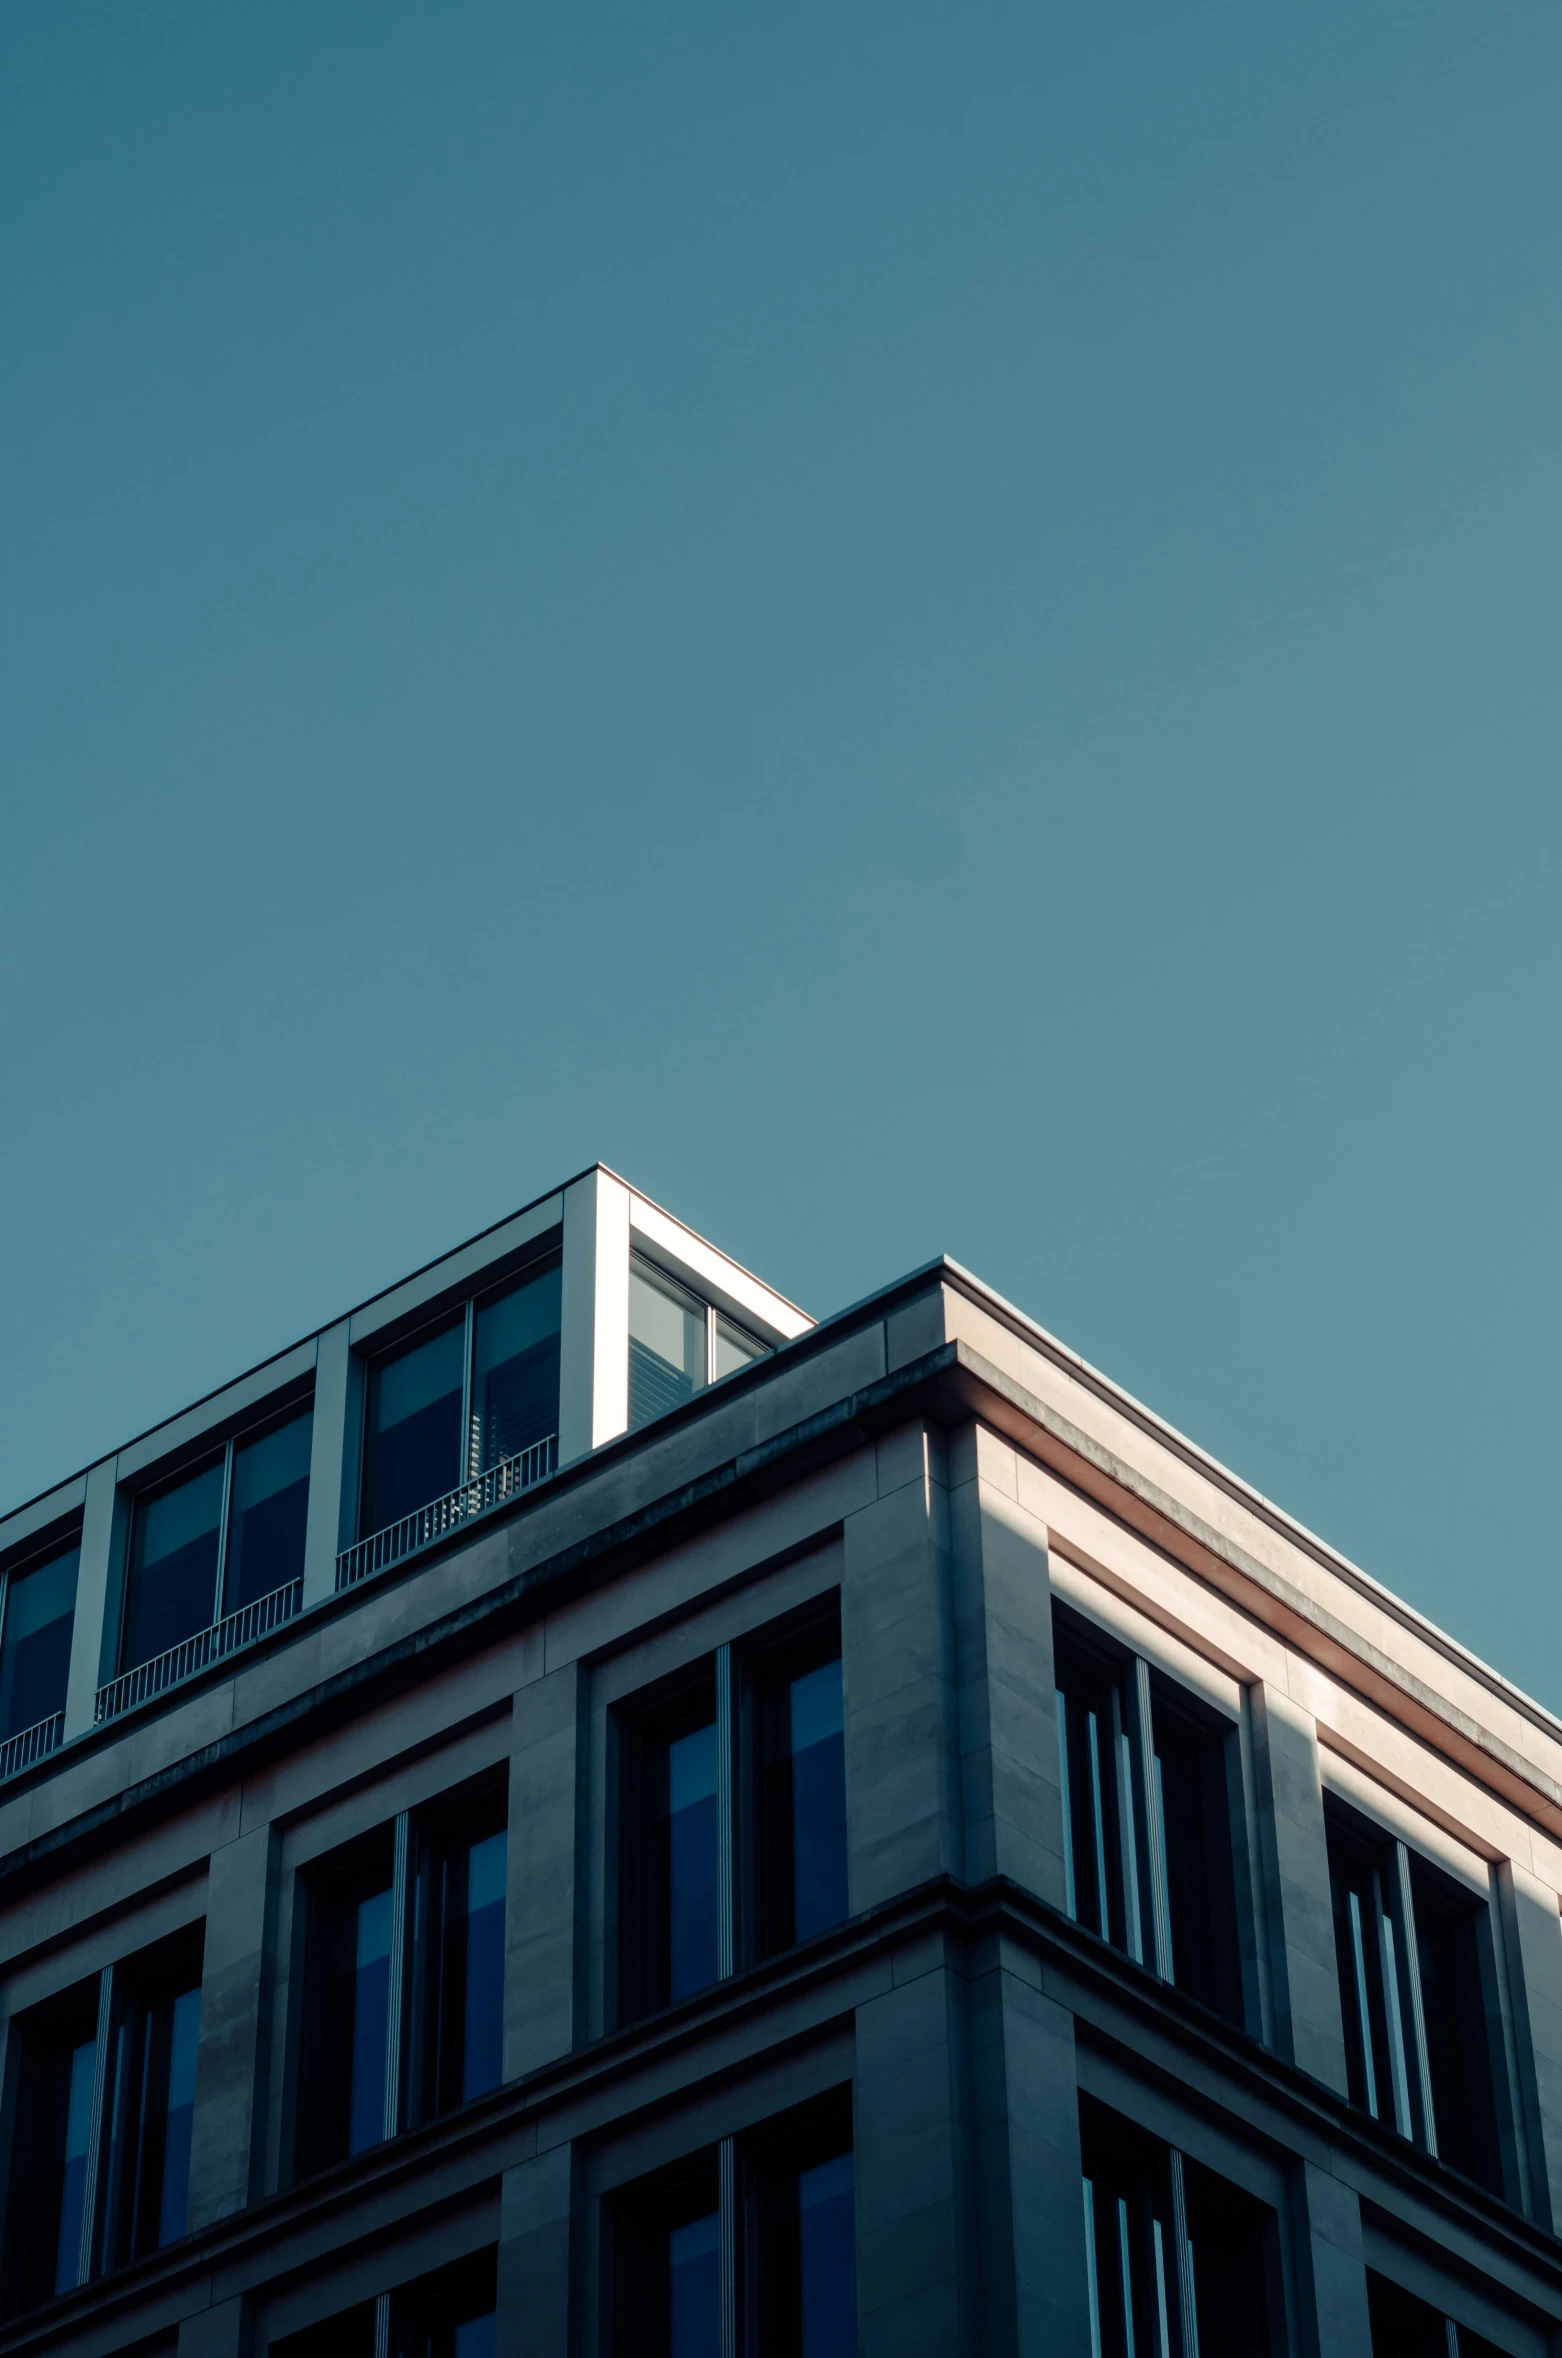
{"x":931,"y":629}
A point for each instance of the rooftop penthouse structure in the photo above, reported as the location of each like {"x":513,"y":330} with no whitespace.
{"x":579,"y":1813}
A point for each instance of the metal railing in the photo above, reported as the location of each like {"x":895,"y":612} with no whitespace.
{"x":30,"y":1744}
{"x":208,"y":1645}
{"x":479,"y":1496}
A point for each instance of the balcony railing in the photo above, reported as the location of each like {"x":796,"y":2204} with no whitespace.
{"x":208,"y":1645}
{"x":480,"y":1496}
{"x":30,"y":1744}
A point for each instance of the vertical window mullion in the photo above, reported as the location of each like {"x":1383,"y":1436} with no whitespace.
{"x":395,"y":2009}
{"x":727,"y":2195}
{"x":1154,"y":1817}
{"x":382,"y":2325}
{"x":222,"y":1532}
{"x":726,"y":1862}
{"x":1406,"y":1909}
{"x":1187,"y":2307}
{"x":471,"y":1443}
{"x":89,"y":2198}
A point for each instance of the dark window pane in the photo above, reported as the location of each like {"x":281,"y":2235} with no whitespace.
{"x":350,"y":2334}
{"x":667,"y":2267}
{"x":412,"y":1448}
{"x":803,"y":1796}
{"x":668,"y":1855}
{"x":1191,"y":1769}
{"x":268,"y":1511}
{"x":49,"y":2151}
{"x":342,"y":2053}
{"x":449,"y":2314}
{"x":666,"y":1344}
{"x":1101,"y":1883}
{"x":1130,"y":2241}
{"x":35,"y":1651}
{"x":149,"y":2103}
{"x":515,"y":1373}
{"x":1457,"y":2047}
{"x":1402,"y":2326}
{"x":1233,"y":2266}
{"x":1369,"y":1952}
{"x":460,"y":1960}
{"x":799,"y":2281}
{"x":173,"y":1566}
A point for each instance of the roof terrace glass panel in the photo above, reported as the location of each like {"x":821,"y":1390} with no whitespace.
{"x":515,"y":1371}
{"x":666,"y":1344}
{"x":35,"y":1648}
{"x":268,"y":1512}
{"x":735,"y":1349}
{"x":173,"y":1565}
{"x":412,"y":1446}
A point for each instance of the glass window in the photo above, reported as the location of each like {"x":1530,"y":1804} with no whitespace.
{"x":412,"y":1447}
{"x":35,"y":1648}
{"x":800,"y":2238}
{"x":735,"y":1349}
{"x":802,"y":1794}
{"x":268,"y":1512}
{"x":515,"y":1371}
{"x":1192,"y":1772}
{"x":1449,"y":1933}
{"x":1404,"y":2327}
{"x":669,"y":1854}
{"x":459,"y":1952}
{"x":666,"y":1344}
{"x":48,"y":2181}
{"x":1371,"y":1955}
{"x":172,"y":1589}
{"x":1163,"y":2235}
{"x":149,"y":2102}
{"x":1101,"y":1882}
{"x":343,"y":2047}
{"x":448,"y":2315}
{"x":667,"y":2266}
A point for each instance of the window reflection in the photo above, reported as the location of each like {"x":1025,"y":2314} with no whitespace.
{"x":173,"y":1565}
{"x":35,"y":1648}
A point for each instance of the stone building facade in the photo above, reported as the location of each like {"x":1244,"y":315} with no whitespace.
{"x":579,"y":1812}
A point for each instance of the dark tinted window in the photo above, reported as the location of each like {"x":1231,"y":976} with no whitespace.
{"x":1459,"y":2056}
{"x":1192,"y":1769}
{"x":35,"y":1649}
{"x":668,"y":1852}
{"x":515,"y":1370}
{"x":801,"y":1792}
{"x":1405,"y":2327}
{"x":412,"y":1446}
{"x":172,"y":1589}
{"x":148,"y":2105}
{"x":447,"y":2315}
{"x":48,"y":2175}
{"x":459,"y":1958}
{"x":268,"y":1512}
{"x":346,"y":2011}
{"x":800,"y":2278}
{"x":1144,"y":2264}
{"x":1370,"y":1955}
{"x":1095,"y":1762}
{"x":666,"y":2266}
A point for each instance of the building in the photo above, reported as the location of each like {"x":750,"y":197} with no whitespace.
{"x":580,"y":1812}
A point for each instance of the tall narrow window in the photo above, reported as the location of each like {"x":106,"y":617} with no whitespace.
{"x":174,"y":1545}
{"x":150,"y":2099}
{"x":1095,"y":1762}
{"x":800,"y":2238}
{"x":1192,"y":1768}
{"x":669,"y":1853}
{"x":412,"y":1447}
{"x":1376,"y":1997}
{"x":1459,"y":2049}
{"x":666,"y":2278}
{"x":45,"y":2242}
{"x":515,"y":1371}
{"x":268,"y":1512}
{"x":666,"y":1344}
{"x":458,"y":2000}
{"x":35,"y":1645}
{"x":343,"y":2048}
{"x":802,"y":1792}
